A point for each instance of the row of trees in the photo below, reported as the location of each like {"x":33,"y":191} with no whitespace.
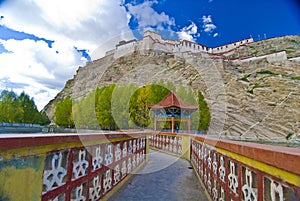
{"x":20,"y":109}
{"x":123,"y":107}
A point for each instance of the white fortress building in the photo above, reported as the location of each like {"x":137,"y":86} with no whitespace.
{"x":154,"y":41}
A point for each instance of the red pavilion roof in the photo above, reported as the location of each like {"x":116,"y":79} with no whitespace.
{"x":171,"y":100}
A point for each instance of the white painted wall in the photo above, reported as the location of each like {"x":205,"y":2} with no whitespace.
{"x":152,"y":40}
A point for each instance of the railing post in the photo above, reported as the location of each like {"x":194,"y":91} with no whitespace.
{"x":186,"y":147}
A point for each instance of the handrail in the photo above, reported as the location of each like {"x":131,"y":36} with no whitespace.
{"x":69,"y":166}
{"x":233,"y":170}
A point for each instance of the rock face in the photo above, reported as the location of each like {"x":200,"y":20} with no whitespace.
{"x":253,"y":91}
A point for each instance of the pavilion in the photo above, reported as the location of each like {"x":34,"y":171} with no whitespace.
{"x":172,"y":109}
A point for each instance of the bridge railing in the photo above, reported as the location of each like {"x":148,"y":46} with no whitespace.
{"x":231,"y":170}
{"x":68,"y":166}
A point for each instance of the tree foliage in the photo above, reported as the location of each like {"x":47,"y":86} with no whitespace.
{"x":63,"y":113}
{"x":123,"y":107}
{"x":204,"y":113}
{"x":103,"y":107}
{"x":20,"y":109}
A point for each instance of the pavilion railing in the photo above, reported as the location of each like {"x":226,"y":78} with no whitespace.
{"x":231,"y":170}
{"x":69,"y":166}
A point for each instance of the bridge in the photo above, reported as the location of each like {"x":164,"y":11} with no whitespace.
{"x":145,"y":165}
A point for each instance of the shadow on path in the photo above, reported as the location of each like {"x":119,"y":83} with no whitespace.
{"x":165,"y":178}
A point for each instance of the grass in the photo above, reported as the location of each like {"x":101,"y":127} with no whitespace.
{"x":295,"y":77}
{"x":294,"y":41}
{"x":245,"y":78}
{"x":263,"y":72}
{"x":255,"y":52}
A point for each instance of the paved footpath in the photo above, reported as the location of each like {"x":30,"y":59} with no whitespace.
{"x":163,"y":178}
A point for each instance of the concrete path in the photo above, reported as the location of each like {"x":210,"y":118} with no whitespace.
{"x":164,"y":178}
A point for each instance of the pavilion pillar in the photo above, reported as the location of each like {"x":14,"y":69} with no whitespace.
{"x":155,"y":122}
{"x":172,"y":125}
{"x":189,"y":126}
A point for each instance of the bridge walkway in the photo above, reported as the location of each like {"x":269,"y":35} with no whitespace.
{"x":163,"y":178}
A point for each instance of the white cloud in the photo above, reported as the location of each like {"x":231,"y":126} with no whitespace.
{"x":188,"y":32}
{"x":208,"y":25}
{"x":43,"y":70}
{"x":148,"y":17}
{"x":215,"y":34}
{"x":86,"y":24}
{"x":206,"y":20}
{"x":37,"y":66}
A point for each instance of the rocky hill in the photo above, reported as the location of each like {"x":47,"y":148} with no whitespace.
{"x":253,"y":91}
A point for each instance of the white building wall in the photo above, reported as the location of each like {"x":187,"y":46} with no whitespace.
{"x":274,"y":57}
{"x":152,"y":40}
{"x":231,"y":46}
{"x":126,"y":49}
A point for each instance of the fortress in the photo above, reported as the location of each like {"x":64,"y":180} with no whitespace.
{"x":152,"y":40}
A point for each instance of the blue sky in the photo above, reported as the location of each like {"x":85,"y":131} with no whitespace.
{"x":43,"y":42}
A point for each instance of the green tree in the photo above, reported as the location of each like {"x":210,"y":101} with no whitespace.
{"x":204,"y":113}
{"x":30,"y":113}
{"x":139,"y":111}
{"x":157,"y":92}
{"x":20,"y":109}
{"x":103,"y":107}
{"x":63,"y":113}
{"x":10,"y":109}
{"x":120,"y":105}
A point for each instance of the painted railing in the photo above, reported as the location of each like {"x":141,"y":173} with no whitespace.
{"x":93,"y":166}
{"x":232,"y":170}
{"x":69,"y":166}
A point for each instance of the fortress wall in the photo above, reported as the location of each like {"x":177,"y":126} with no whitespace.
{"x":277,"y":57}
{"x":153,"y":35}
{"x":125,"y":49}
{"x":145,"y":44}
{"x":152,"y":40}
{"x":274,"y":57}
{"x":110,"y":52}
{"x":161,"y":47}
{"x":231,"y":46}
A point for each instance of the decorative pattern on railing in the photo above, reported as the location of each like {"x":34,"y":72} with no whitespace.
{"x":88,"y":173}
{"x":228,"y":179}
{"x":167,"y":143}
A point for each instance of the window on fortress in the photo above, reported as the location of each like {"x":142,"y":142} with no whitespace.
{"x":226,"y":46}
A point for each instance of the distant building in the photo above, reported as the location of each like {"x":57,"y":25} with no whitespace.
{"x":154,"y":41}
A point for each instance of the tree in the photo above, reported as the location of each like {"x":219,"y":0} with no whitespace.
{"x":103,"y":107}
{"x":20,"y":109}
{"x":63,"y":113}
{"x":9,"y":108}
{"x":139,"y":111}
{"x":157,"y":93}
{"x":204,"y":113}
{"x":120,"y":105}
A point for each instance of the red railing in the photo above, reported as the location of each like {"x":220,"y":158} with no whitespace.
{"x":87,"y":168}
{"x":168,"y":143}
{"x":91,"y":166}
{"x":231,"y":170}
{"x":227,"y":175}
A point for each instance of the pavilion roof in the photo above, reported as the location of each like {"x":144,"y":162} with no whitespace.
{"x":171,"y":100}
